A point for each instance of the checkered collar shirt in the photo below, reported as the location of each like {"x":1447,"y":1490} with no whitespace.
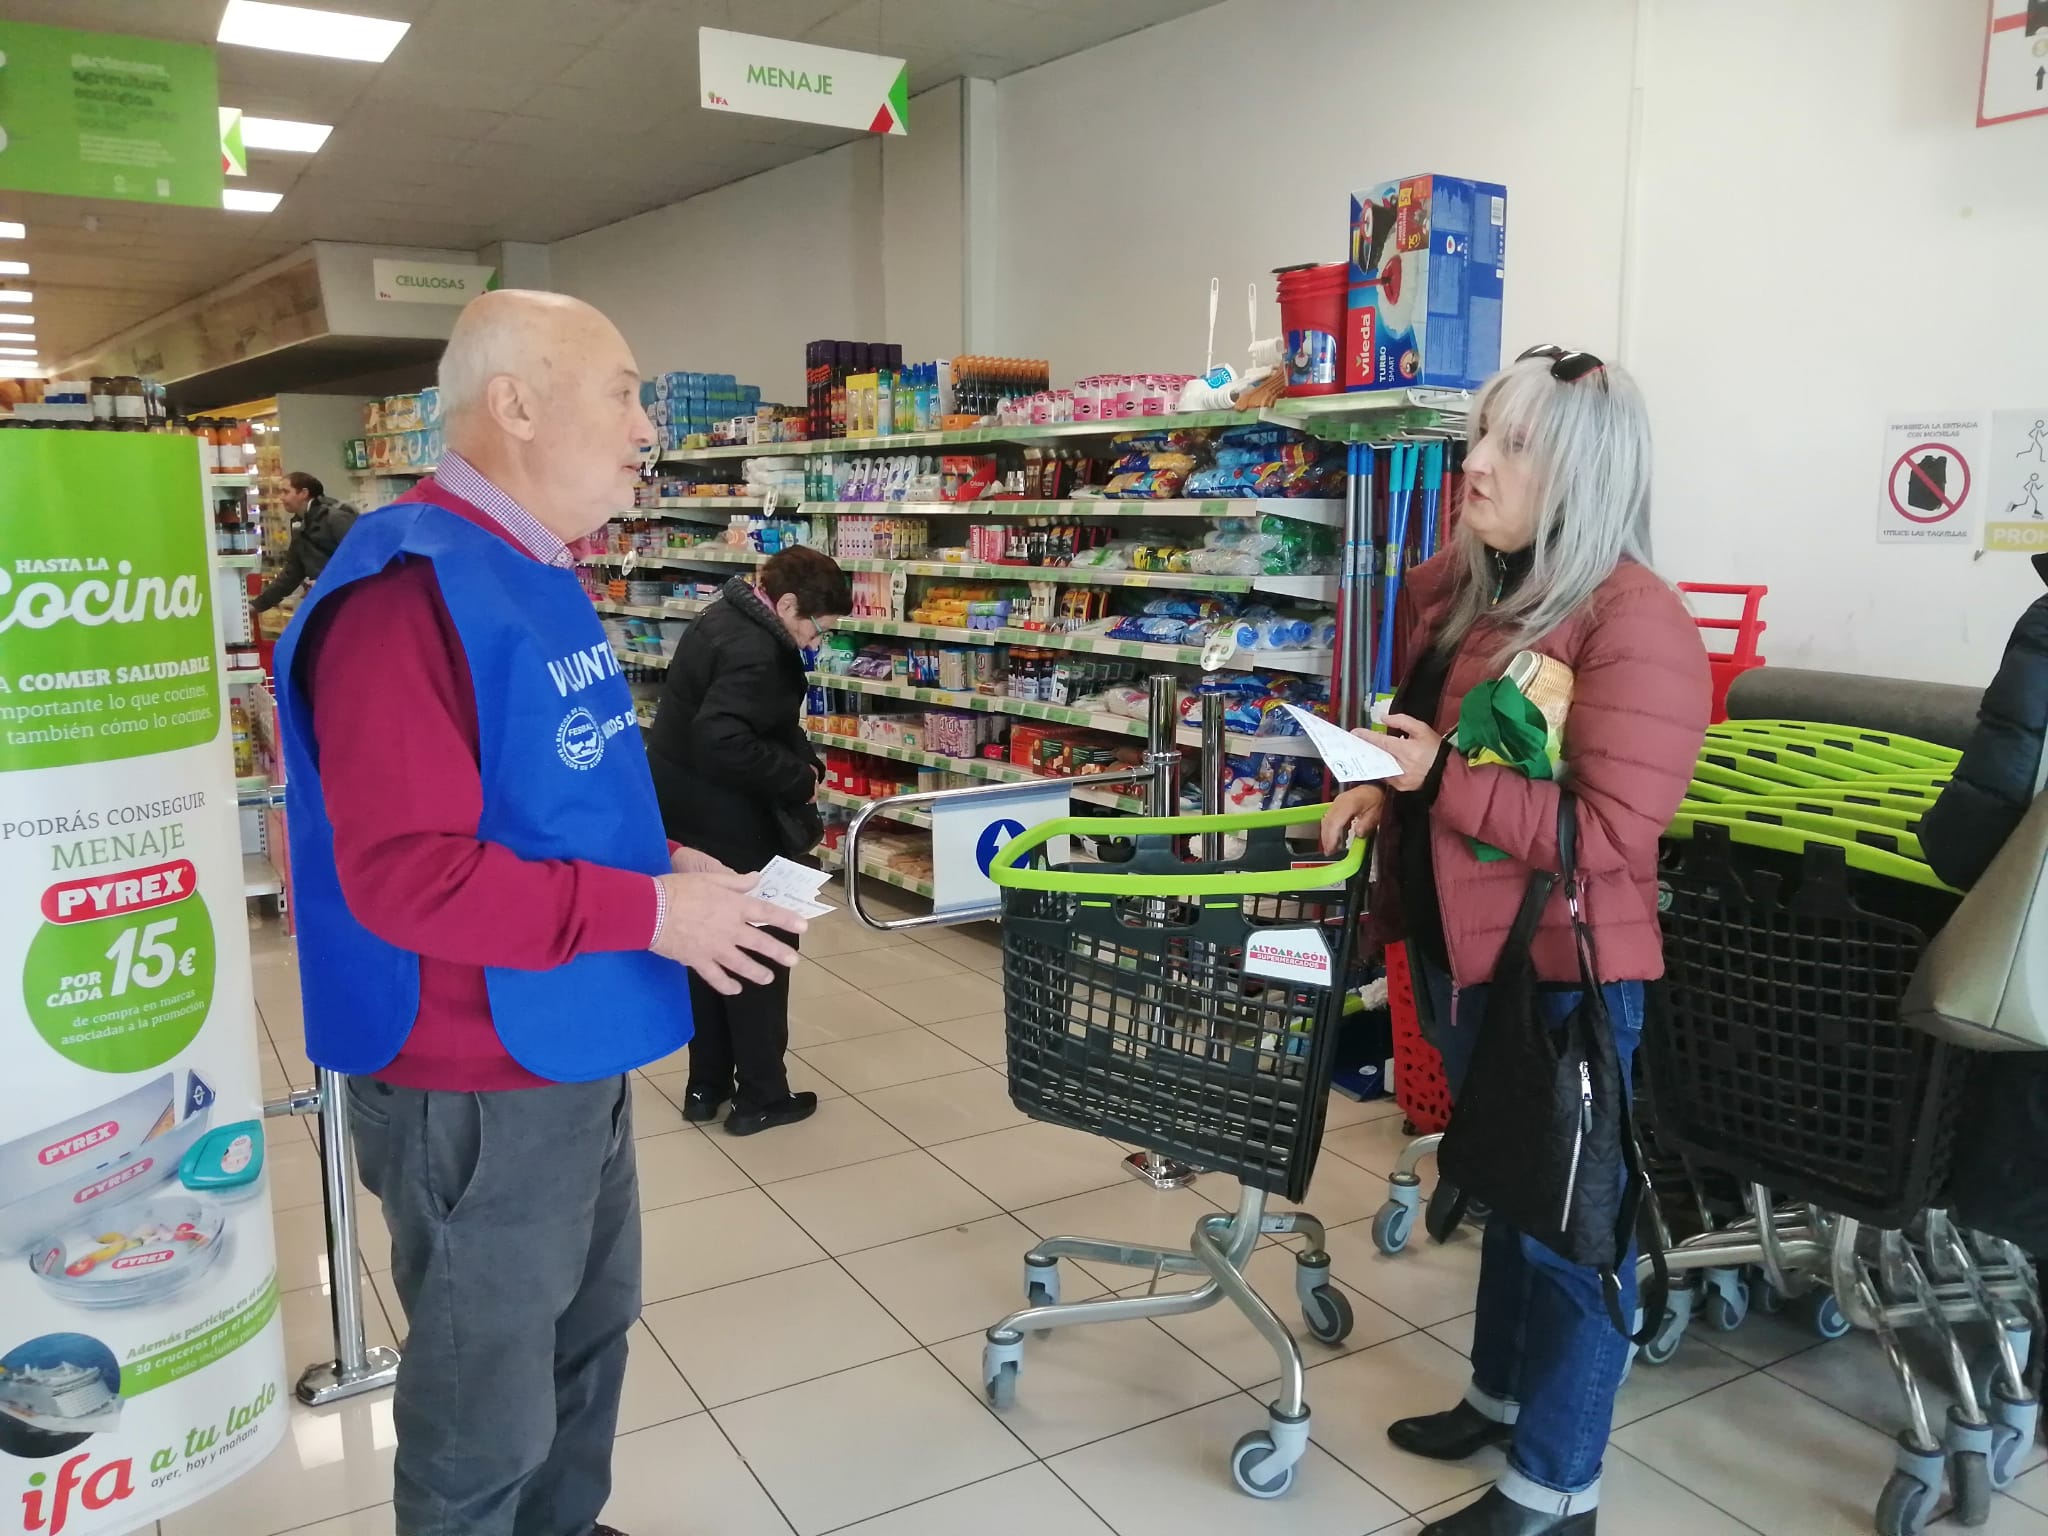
{"x":519,"y":525}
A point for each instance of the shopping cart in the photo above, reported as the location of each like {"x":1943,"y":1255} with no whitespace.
{"x":1781,"y":1062}
{"x":1189,"y":1007}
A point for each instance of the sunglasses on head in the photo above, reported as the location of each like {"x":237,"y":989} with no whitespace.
{"x":1566,"y":367}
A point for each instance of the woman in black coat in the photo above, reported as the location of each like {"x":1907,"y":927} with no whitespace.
{"x":737,"y":779}
{"x":1996,"y":1181}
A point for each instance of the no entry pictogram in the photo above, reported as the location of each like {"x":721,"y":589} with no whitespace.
{"x":1929,"y":483}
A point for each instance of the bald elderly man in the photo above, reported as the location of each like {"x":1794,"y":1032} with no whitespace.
{"x":493,"y":929}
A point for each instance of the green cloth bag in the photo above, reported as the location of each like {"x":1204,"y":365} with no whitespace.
{"x":1498,"y":724}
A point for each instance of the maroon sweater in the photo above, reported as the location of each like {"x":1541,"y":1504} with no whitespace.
{"x":394,"y":716}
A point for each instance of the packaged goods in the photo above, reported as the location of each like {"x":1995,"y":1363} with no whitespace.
{"x":1428,"y":266}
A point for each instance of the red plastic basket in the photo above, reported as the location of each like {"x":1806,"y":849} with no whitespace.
{"x":1742,"y":654}
{"x":1419,"y":1086}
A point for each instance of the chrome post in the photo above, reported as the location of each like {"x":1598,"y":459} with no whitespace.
{"x":1162,"y":798}
{"x":357,"y":1366}
{"x":1214,"y":771}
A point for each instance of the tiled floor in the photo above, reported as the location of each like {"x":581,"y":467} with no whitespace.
{"x":810,"y":1356}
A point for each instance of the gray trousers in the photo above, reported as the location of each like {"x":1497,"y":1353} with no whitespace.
{"x":515,"y":1251}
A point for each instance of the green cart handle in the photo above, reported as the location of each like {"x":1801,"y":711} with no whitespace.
{"x":1003,"y":870}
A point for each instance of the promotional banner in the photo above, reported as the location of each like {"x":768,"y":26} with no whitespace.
{"x":93,"y":114}
{"x":141,"y":1355}
{"x":802,"y":82}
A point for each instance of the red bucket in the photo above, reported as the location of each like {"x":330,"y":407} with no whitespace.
{"x":1312,"y":315}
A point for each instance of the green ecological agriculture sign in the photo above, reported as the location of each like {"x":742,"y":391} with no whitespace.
{"x":93,"y":114}
{"x":106,"y":628}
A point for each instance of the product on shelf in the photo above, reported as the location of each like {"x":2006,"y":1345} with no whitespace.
{"x":1428,"y":260}
{"x":684,"y":406}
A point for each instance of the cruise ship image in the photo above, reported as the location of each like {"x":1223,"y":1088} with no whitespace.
{"x":61,"y":1396}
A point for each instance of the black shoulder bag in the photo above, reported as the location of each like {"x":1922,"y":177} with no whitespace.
{"x":1542,"y":1129}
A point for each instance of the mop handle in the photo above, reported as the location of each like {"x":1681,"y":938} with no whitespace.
{"x":1209,"y":355}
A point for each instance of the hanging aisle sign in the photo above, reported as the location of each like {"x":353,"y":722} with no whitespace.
{"x":769,"y":77}
{"x":91,"y":114}
{"x":141,"y":1352}
{"x":2015,"y":62}
{"x":430,"y":282}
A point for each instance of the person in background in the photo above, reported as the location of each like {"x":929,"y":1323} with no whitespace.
{"x":1997,"y":1181}
{"x":491,"y":924}
{"x":318,"y":524}
{"x":1551,"y":554}
{"x":738,"y":781}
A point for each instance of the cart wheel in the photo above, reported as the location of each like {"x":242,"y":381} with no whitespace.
{"x":1664,"y":1344}
{"x":1969,"y":1474}
{"x":1327,"y":1312}
{"x":1392,"y":1227}
{"x":1246,"y":1461}
{"x":1727,"y":1311}
{"x":1769,"y":1299}
{"x":1826,"y":1318}
{"x":1001,"y":1385}
{"x":1041,"y":1289}
{"x":1903,"y":1506}
{"x":2013,"y":1421}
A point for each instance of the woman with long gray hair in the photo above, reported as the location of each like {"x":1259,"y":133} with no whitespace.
{"x":1551,"y":555}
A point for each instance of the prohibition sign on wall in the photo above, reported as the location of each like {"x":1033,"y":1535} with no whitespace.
{"x":1929,"y":483}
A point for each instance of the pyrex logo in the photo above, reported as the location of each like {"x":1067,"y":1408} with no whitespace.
{"x":112,"y":1181}
{"x":143,"y":1260}
{"x":93,"y":602}
{"x":71,"y":1146}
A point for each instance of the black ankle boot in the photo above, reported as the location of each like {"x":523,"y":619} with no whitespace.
{"x":1498,"y":1515}
{"x":1452,"y":1436}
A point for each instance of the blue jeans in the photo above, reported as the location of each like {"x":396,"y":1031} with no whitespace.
{"x":1545,"y":1356}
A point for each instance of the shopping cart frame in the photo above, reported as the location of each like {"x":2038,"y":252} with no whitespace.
{"x":1263,"y":1462}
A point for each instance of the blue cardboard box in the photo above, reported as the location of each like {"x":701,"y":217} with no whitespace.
{"x":1428,"y":267}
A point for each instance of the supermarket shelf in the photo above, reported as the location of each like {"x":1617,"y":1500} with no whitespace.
{"x":1329,"y":513}
{"x":394,"y":473}
{"x":629,"y":610}
{"x":972,"y":767}
{"x":228,"y":482}
{"x":1314,"y":588}
{"x":239,"y":562}
{"x":241,"y":677}
{"x":696,"y":503}
{"x":260,"y":877}
{"x":252,"y":784}
{"x":1377,"y":411}
{"x":1306,"y":663}
{"x":833,"y":859}
{"x":1029,"y":709}
{"x":680,"y":559}
{"x":686,"y":607}
{"x":977,"y":767}
{"x":910,"y":818}
{"x":660,"y":658}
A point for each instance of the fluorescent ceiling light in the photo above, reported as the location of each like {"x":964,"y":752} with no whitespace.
{"x":13,"y":319}
{"x":13,"y":231}
{"x":16,"y":296}
{"x":17,"y":335}
{"x":17,"y":351}
{"x":243,"y":201}
{"x":13,"y":269}
{"x":280,"y":133}
{"x":297,"y":29}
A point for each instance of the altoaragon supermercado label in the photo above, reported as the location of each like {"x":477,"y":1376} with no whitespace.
{"x":141,"y":1353}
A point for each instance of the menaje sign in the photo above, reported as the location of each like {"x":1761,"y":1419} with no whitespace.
{"x":801,"y":82}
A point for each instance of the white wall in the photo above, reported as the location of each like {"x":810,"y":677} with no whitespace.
{"x":1810,"y":234}
{"x":1133,"y":173}
{"x":313,"y":428}
{"x":1825,"y":239}
{"x":860,"y":242}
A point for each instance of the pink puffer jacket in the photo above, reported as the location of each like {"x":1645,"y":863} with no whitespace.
{"x":1640,"y":704}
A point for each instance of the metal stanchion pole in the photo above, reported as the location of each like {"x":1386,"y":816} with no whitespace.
{"x":1214,"y":771}
{"x":1162,"y":798}
{"x":357,"y":1366}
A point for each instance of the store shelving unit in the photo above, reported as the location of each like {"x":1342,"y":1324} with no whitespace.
{"x":1350,"y":418}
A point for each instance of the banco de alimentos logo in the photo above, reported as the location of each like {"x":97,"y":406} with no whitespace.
{"x":579,"y":739}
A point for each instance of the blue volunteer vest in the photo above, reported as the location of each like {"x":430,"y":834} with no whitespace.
{"x":564,"y":777}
